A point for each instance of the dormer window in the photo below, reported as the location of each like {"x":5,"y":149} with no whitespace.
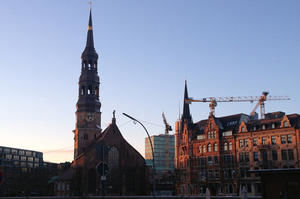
{"x":263,"y":127}
{"x":285,"y":122}
{"x":273,"y":126}
{"x":243,"y":127}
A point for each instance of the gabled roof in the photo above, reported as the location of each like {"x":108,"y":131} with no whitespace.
{"x":226,"y":123}
{"x":232,"y":122}
{"x":274,"y":118}
{"x":111,"y":130}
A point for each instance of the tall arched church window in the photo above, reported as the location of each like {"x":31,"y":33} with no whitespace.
{"x":113,"y":158}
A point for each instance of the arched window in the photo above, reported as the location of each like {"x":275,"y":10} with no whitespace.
{"x":209,"y":147}
{"x":113,"y":158}
{"x":225,"y":146}
{"x":204,"y":148}
{"x":215,"y":147}
{"x":200,"y":149}
{"x":89,"y":90}
{"x":82,"y":90}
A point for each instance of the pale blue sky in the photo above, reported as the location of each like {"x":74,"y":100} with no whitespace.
{"x":146,"y":51}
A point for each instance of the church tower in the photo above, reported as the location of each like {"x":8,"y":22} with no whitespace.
{"x":186,"y":115}
{"x":88,"y":115}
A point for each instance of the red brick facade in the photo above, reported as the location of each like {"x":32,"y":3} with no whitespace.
{"x":218,"y":152}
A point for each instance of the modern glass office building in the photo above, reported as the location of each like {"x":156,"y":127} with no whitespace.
{"x":164,"y":152}
{"x":21,"y":158}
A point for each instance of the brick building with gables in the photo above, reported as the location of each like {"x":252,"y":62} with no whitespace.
{"x":219,"y":152}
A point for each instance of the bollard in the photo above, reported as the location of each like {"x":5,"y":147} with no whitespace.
{"x":244,"y":193}
{"x":207,"y":194}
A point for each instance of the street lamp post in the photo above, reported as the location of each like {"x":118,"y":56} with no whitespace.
{"x":153,"y":176}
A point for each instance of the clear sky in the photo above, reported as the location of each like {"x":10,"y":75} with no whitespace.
{"x":146,"y":51}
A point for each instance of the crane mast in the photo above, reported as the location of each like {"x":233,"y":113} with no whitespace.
{"x":260,"y":101}
{"x":167,"y":129}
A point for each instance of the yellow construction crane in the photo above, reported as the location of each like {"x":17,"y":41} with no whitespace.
{"x":167,"y":149}
{"x":260,"y":101}
{"x":167,"y":126}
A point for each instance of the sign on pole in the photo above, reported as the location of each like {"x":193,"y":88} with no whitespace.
{"x":102,"y":169}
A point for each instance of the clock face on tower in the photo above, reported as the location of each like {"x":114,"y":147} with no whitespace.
{"x":90,"y":117}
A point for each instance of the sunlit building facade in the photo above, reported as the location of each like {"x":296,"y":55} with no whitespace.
{"x":219,"y":152}
{"x":164,"y":151}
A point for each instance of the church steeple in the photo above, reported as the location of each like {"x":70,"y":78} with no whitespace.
{"x":88,"y":115}
{"x":89,"y":51}
{"x":186,"y":115}
{"x":89,"y":79}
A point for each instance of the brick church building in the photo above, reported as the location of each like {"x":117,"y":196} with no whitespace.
{"x":219,"y":152}
{"x":104,"y":162}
